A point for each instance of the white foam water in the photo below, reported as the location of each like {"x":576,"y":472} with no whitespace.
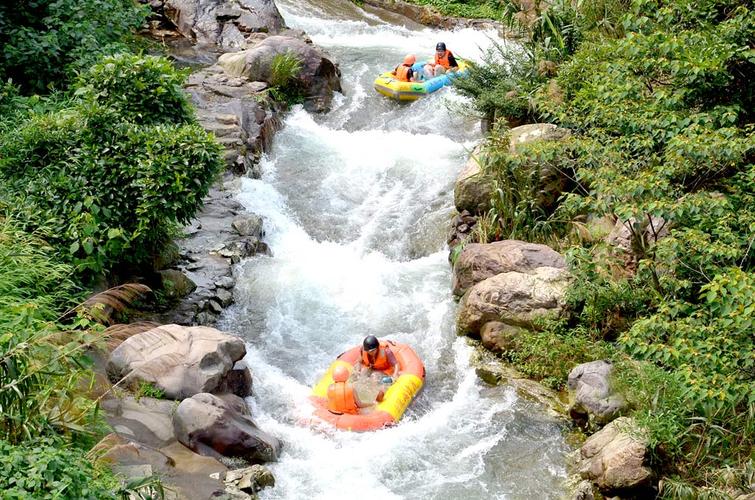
{"x":356,"y":205}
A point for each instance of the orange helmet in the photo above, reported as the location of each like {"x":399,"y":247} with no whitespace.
{"x":410,"y":59}
{"x":340,"y":374}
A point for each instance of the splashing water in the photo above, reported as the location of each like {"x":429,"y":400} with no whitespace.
{"x":356,"y":206}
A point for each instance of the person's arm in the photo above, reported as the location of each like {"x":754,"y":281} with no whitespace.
{"x":410,"y":75}
{"x":393,"y":361}
{"x":452,"y":61}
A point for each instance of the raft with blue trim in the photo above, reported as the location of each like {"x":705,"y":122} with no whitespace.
{"x":387,"y":84}
{"x":411,"y":378}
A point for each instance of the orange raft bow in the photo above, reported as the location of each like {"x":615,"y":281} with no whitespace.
{"x":397,"y":398}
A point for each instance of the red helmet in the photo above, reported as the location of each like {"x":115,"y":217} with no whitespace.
{"x":410,"y":59}
{"x":340,"y":374}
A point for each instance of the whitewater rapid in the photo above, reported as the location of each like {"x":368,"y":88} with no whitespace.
{"x":356,"y":205}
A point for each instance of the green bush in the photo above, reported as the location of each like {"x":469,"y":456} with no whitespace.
{"x":144,"y":90}
{"x":108,"y":189}
{"x":284,"y":79}
{"x":44,"y":469}
{"x":42,"y":43}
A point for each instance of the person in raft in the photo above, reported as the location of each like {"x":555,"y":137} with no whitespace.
{"x":377,"y":356}
{"x":404,"y":72}
{"x":342,"y":397}
{"x":444,"y":61}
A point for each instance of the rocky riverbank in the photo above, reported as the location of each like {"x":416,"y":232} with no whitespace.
{"x":506,"y":288}
{"x":425,"y":14}
{"x":176,"y":404}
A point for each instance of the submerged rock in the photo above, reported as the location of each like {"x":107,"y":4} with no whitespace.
{"x":593,"y":398}
{"x":477,"y":261}
{"x":513,"y":298}
{"x":180,"y":361}
{"x":212,"y":425}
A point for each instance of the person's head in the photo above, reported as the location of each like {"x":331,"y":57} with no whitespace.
{"x":440,"y":47}
{"x":410,"y":59}
{"x":370,"y":346}
{"x":340,"y":374}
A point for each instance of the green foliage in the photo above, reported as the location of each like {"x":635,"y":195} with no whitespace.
{"x":44,"y":469}
{"x":148,"y":390}
{"x":42,"y":43}
{"x":473,"y":9}
{"x":660,"y":102}
{"x":106,"y":188}
{"x":284,"y":79}
{"x":145,"y":90}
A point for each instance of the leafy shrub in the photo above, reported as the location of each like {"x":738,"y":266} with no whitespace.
{"x":284,"y":78}
{"x":42,"y":43}
{"x":145,"y":90}
{"x":107,"y":188}
{"x":44,"y":469}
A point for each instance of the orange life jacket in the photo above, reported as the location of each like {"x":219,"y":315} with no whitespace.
{"x":341,"y":398}
{"x":381,"y":361}
{"x":443,"y":60}
{"x":402,"y":73}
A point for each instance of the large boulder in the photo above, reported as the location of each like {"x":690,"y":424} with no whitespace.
{"x":500,"y":337}
{"x":318,"y":77}
{"x":212,"y":425}
{"x":473,"y":189}
{"x":478,"y":262}
{"x":614,"y":459}
{"x":513,"y":298}
{"x":592,"y":397}
{"x":180,"y":361}
{"x":224,"y":23}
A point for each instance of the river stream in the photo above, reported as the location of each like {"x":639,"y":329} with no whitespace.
{"x":357,"y":203}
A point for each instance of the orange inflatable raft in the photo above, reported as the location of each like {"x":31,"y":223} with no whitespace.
{"x":411,"y":377}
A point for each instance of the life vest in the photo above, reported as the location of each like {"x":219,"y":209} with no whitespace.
{"x":402,"y":73}
{"x":341,"y":398}
{"x":381,"y":361}
{"x":443,"y":60}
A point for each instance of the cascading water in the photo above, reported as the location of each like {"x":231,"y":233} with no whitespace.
{"x":356,"y":206}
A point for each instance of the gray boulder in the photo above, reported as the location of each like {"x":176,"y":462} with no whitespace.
{"x":212,"y":425}
{"x":318,"y":77}
{"x":614,"y":459}
{"x":176,"y":284}
{"x":499,"y":337}
{"x":181,"y":361}
{"x":513,"y":298}
{"x":478,"y":262}
{"x":593,"y":399}
{"x":248,"y":225}
{"x":223,"y":23}
{"x":473,"y":189}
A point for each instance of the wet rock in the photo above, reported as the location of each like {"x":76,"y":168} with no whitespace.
{"x":250,"y":480}
{"x":223,"y":23}
{"x":583,"y":491}
{"x":224,"y":297}
{"x":176,"y":284}
{"x":212,"y":425}
{"x":499,"y":337}
{"x":180,"y":361}
{"x":473,"y":189}
{"x":319,"y":77}
{"x":248,"y":225}
{"x":225,"y":282}
{"x":614,"y":459}
{"x":238,"y":381}
{"x":513,"y":298}
{"x":462,"y":226}
{"x":593,"y":398}
{"x":478,"y":262}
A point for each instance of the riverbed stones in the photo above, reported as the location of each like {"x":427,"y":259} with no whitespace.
{"x":614,"y":458}
{"x":210,"y":425}
{"x":473,"y":189}
{"x":180,"y":361}
{"x":249,"y":480}
{"x":176,"y":284}
{"x":223,"y":23}
{"x":499,"y":337}
{"x":248,"y":225}
{"x":477,"y":261}
{"x":593,"y":398}
{"x":514,"y":298}
{"x":319,"y":77}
